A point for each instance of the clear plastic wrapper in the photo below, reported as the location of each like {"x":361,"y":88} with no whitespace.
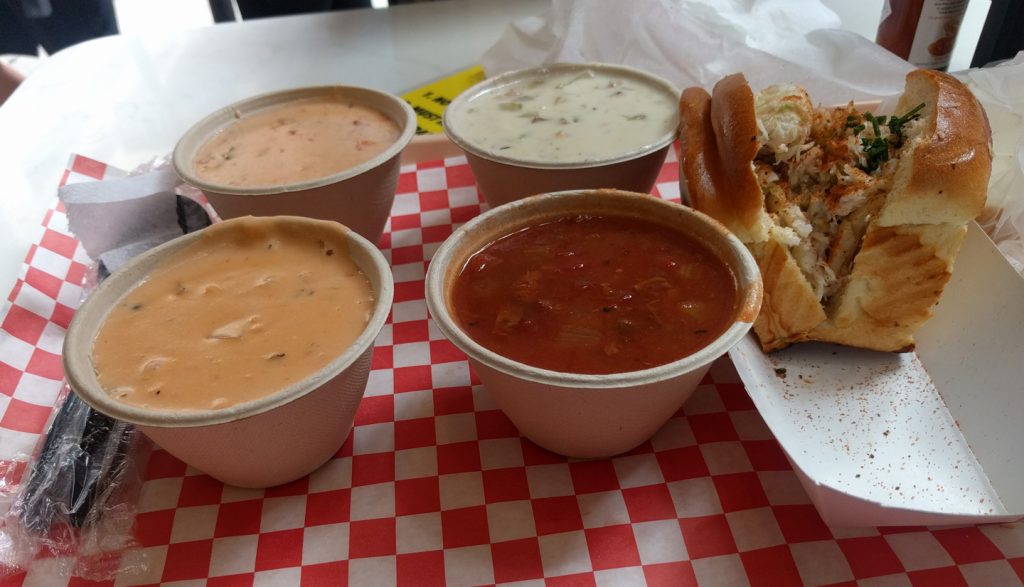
{"x":75,"y":499}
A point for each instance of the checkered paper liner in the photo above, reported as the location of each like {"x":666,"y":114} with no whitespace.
{"x":436,"y":486}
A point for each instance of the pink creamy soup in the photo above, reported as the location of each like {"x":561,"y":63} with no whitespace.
{"x":294,"y":142}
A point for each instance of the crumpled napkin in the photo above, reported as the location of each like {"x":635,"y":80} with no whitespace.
{"x":116,"y":219}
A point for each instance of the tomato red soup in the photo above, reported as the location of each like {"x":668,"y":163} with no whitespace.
{"x":591,"y":294}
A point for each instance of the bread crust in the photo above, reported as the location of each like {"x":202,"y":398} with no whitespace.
{"x":720,"y":143}
{"x":717,"y":177}
{"x":898,"y":276}
{"x":944,"y":177}
{"x":789,"y":308}
{"x":907,"y":252}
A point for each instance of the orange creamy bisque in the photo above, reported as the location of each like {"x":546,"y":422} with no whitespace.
{"x":251,"y":307}
{"x":294,"y":142}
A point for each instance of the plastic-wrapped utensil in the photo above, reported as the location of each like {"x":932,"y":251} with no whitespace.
{"x":84,"y":452}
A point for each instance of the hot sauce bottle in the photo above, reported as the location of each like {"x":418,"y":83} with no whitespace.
{"x":921,"y":31}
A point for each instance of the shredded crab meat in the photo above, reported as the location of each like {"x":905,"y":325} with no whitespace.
{"x":811,"y":172}
{"x":784,"y":114}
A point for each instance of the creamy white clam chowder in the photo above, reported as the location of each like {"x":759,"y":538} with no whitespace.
{"x":558,"y":117}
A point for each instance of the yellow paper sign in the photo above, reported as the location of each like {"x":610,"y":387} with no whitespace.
{"x":430,"y":101}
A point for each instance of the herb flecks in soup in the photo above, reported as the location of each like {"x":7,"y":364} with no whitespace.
{"x":588,"y":294}
{"x":294,"y":142}
{"x":568,"y":116}
{"x":236,"y":315}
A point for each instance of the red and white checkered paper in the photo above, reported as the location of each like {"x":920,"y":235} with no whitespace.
{"x":436,"y":486}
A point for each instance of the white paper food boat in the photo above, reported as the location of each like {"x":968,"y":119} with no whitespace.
{"x":932,"y":437}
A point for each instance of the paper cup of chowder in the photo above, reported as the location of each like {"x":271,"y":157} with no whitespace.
{"x":565,"y":126}
{"x":329,"y":152}
{"x":591,"y":315}
{"x":242,"y":349}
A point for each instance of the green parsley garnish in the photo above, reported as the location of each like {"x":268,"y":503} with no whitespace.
{"x":896,"y":123}
{"x":876,"y":148}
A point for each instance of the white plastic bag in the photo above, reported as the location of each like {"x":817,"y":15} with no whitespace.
{"x":1001,"y":90}
{"x":697,"y":42}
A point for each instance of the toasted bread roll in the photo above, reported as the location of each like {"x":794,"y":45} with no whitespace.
{"x":855,"y":221}
{"x":789,"y":308}
{"x":716,"y":162}
{"x":945,"y":177}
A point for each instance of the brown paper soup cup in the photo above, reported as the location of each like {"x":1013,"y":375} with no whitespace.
{"x":581,"y":414}
{"x":565,"y":126}
{"x":270,"y":439}
{"x":357,"y":195}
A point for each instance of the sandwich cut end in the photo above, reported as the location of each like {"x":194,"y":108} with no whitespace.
{"x":855,"y":220}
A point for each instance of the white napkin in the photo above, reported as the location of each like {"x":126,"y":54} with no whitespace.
{"x":105,"y":215}
{"x":116,"y":219}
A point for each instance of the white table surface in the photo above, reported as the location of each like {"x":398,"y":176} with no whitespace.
{"x":126,"y":99}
